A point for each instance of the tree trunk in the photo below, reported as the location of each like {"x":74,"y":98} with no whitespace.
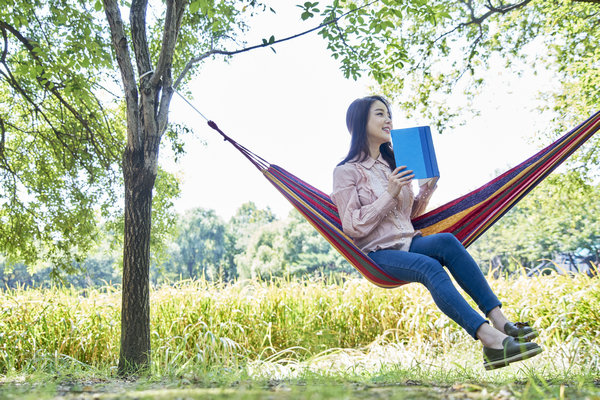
{"x":135,"y":312}
{"x":147,"y":119}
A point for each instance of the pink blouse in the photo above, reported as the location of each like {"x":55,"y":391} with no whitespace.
{"x":369,"y":214}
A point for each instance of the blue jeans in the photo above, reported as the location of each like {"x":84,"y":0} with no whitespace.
{"x":424,"y":263}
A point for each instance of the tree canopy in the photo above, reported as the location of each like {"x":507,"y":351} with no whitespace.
{"x":424,"y":53}
{"x":60,"y":142}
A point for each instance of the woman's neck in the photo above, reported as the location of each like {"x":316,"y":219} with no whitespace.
{"x":374,"y":151}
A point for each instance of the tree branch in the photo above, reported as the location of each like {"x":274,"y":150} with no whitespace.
{"x":165,"y":101}
{"x":37,"y":109}
{"x":201,"y":57}
{"x":2,"y":139}
{"x":5,"y":50}
{"x":137,"y":19}
{"x":52,"y":89}
{"x":175,"y":10}
{"x":502,"y":9}
{"x":341,"y":36}
{"x":113,"y":15}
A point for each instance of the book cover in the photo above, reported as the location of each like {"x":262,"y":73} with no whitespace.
{"x":413,"y":147}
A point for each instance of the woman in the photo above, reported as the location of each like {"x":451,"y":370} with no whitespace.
{"x":376,"y":203}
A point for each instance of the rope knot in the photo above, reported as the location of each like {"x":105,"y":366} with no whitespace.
{"x":213,"y":125}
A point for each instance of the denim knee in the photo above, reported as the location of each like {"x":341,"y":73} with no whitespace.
{"x":448,"y":240}
{"x":430,"y":270}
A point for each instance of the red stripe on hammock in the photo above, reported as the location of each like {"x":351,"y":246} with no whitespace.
{"x":501,"y":199}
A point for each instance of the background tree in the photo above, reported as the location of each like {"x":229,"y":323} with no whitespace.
{"x":100,"y":268}
{"x":263,"y":256}
{"x":559,"y":218}
{"x":247,"y":219}
{"x":306,"y":252}
{"x":200,"y":246}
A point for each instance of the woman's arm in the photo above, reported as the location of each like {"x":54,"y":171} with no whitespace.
{"x":358,"y":220}
{"x":422,"y":199}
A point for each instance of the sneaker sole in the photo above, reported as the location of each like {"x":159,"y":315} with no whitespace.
{"x":489,"y":365}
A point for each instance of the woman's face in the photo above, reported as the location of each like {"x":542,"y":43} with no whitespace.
{"x":379,"y":124}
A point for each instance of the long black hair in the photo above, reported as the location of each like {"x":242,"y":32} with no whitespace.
{"x":357,"y":117}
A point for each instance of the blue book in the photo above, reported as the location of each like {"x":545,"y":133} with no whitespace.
{"x":413,"y":147}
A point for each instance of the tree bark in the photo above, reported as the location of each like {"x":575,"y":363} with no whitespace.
{"x":135,"y":311}
{"x":147,"y":119}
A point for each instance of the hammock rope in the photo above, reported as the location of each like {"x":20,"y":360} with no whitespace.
{"x":467,"y":217}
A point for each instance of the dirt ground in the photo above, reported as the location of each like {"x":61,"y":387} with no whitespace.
{"x":180,"y":390}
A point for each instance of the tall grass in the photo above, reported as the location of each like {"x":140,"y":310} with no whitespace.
{"x":275,"y":326}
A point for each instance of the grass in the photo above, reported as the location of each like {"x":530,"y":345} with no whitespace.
{"x":284,"y":337}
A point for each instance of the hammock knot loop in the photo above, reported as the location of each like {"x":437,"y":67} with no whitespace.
{"x":213,"y":125}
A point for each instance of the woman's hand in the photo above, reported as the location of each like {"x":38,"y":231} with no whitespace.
{"x":400,"y":177}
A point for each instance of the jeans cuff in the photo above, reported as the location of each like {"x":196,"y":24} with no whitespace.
{"x":486,"y":312}
{"x":474,"y":333}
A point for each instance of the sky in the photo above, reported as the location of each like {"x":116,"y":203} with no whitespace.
{"x":289,"y":107}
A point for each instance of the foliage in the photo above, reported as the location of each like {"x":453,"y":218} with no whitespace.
{"x":306,"y":252}
{"x":199,"y":249}
{"x":291,"y":247}
{"x":59,"y":144}
{"x":433,"y":57}
{"x":248,"y":216}
{"x":561,"y":216}
{"x":427,"y":47}
{"x":268,"y":327}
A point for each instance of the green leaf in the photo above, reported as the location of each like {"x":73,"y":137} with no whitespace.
{"x":195,"y":6}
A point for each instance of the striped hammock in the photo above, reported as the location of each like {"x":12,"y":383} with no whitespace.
{"x":467,"y":217}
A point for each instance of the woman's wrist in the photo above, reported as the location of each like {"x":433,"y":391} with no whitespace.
{"x":427,"y":186}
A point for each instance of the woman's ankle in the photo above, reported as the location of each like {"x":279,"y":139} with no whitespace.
{"x":498,"y":319}
{"x":490,"y":337}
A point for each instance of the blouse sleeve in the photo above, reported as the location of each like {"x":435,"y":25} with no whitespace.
{"x":422,"y":199}
{"x":358,"y":220}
